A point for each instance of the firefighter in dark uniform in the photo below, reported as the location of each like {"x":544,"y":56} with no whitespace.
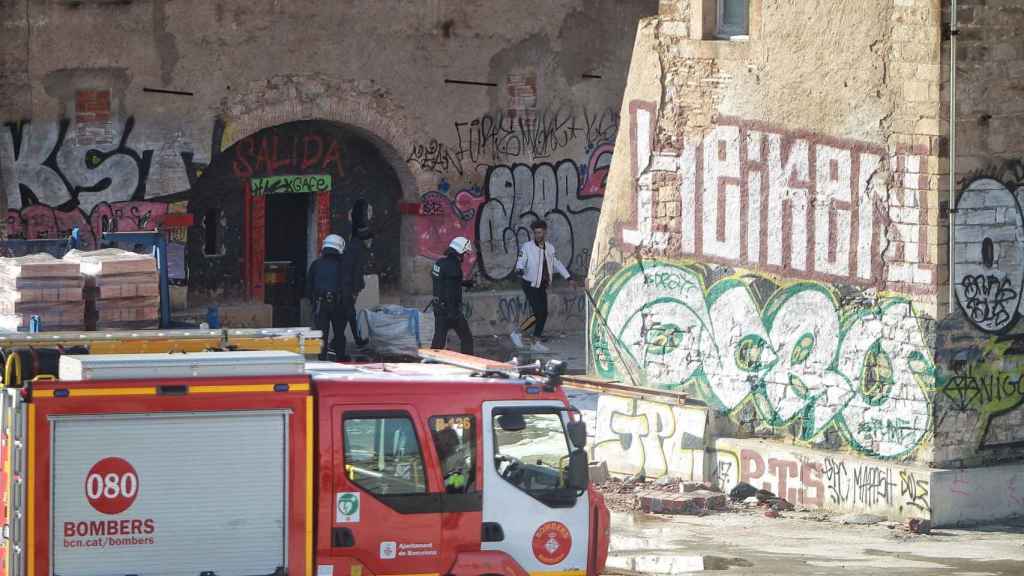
{"x":447,"y":303}
{"x":329,"y":288}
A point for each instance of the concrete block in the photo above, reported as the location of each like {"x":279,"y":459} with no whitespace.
{"x":691,"y":504}
{"x":688,"y":487}
{"x":599,"y":473}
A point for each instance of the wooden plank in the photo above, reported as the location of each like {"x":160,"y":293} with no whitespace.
{"x":465,"y":361}
{"x":162,"y":341}
{"x":615,"y":388}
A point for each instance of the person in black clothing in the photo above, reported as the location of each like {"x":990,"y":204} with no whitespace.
{"x":356,"y":256}
{"x":447,"y":302}
{"x":329,"y":288}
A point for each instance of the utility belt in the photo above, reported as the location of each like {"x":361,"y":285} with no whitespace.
{"x":441,"y":308}
{"x":328,"y":298}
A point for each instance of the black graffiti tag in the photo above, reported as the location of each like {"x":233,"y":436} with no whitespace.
{"x":988,"y":299}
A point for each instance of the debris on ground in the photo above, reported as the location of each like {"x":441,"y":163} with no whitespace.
{"x":637,"y":478}
{"x":919,"y":526}
{"x":695,"y":487}
{"x":780,"y":504}
{"x":668,"y":484}
{"x":691,"y":504}
{"x":663,"y":496}
{"x":674,"y":496}
{"x":860,"y":519}
{"x":741,"y":492}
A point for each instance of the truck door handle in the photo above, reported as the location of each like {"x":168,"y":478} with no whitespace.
{"x":342,"y":538}
{"x":492,"y":532}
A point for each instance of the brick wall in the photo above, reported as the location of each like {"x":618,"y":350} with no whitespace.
{"x":770,"y":240}
{"x":977,"y":407}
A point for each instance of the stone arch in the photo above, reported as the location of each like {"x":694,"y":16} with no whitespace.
{"x":361,"y":106}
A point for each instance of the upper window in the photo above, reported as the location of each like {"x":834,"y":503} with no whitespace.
{"x":733,"y":18}
{"x":455,"y":440}
{"x":382,"y":455}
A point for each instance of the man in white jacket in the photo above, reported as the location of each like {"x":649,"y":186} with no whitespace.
{"x":536,"y":264}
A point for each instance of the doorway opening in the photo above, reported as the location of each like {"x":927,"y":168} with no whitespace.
{"x":287,"y":244}
{"x":279,"y":192}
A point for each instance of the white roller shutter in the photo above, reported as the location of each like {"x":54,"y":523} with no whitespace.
{"x":210,"y":494}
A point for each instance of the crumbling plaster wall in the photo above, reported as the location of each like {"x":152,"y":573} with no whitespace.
{"x":770,"y":240}
{"x":548,"y":81}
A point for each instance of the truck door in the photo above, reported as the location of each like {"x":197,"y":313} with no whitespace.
{"x":387,"y":494}
{"x":528,"y":511}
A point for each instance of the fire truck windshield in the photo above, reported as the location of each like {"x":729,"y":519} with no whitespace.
{"x":532,"y":453}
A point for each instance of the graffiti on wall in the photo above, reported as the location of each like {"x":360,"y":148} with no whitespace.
{"x":519,"y":194}
{"x":989,"y":251}
{"x":834,"y":481}
{"x":987,"y":387}
{"x":58,"y":184}
{"x":509,"y":157}
{"x":506,"y":136}
{"x":983,"y":357}
{"x":792,"y":350}
{"x":41,"y":221}
{"x":502,"y":137}
{"x":789,"y":202}
{"x":442,"y":218}
{"x":568,"y":196}
{"x":657,"y":439}
{"x":291,"y":152}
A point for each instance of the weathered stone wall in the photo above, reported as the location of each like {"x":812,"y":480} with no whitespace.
{"x":486,"y":114}
{"x":978,"y":412}
{"x":770,"y":237}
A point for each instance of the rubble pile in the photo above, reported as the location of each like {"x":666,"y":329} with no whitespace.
{"x":122,"y":289}
{"x":663,"y":496}
{"x":677,"y":497}
{"x":40,"y":285}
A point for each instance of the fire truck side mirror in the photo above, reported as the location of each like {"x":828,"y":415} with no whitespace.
{"x":578,"y":476}
{"x":578,"y":433}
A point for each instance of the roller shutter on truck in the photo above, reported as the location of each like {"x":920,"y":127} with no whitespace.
{"x":169,"y":494}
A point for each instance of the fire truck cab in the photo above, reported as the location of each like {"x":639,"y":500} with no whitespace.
{"x":257,"y":463}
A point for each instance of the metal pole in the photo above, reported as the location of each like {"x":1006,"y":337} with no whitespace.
{"x":586,"y":329}
{"x":954,"y":30}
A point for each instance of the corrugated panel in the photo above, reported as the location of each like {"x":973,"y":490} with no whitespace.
{"x":199,"y":364}
{"x":213,"y":485}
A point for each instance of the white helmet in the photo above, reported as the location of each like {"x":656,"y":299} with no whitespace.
{"x":461,"y":245}
{"x":335,"y":242}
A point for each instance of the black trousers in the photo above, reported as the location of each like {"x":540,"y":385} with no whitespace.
{"x":538,"y":299}
{"x":442,"y":324}
{"x":332,"y":314}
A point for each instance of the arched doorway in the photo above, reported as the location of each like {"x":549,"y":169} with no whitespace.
{"x":264,"y":205}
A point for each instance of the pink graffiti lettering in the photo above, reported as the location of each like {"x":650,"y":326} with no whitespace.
{"x":807,"y":488}
{"x":39,"y":221}
{"x":442,"y":219}
{"x":597,"y":171}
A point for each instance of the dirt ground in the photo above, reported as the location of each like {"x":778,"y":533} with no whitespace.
{"x":745,"y":541}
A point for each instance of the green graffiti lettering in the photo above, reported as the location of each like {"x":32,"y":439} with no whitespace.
{"x":799,"y":357}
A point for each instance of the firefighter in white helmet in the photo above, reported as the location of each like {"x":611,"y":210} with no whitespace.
{"x":447,"y":302}
{"x":329,"y":288}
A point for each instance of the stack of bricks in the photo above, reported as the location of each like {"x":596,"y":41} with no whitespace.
{"x":122,"y":289}
{"x":40,"y":285}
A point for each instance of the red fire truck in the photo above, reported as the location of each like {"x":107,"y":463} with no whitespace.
{"x":259,"y":464}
